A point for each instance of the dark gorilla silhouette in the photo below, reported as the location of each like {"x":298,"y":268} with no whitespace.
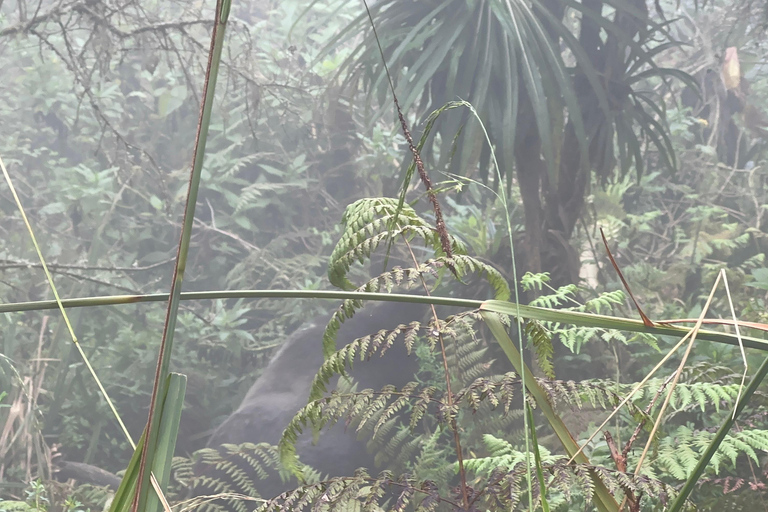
{"x":283,"y":389}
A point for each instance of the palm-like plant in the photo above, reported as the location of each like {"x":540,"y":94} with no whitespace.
{"x":558,"y":83}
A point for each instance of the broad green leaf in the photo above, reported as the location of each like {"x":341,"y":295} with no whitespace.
{"x":172,"y":405}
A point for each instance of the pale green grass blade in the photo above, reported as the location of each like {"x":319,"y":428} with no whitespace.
{"x":676,"y":379}
{"x":738,"y":335}
{"x":58,"y":302}
{"x":603,"y":498}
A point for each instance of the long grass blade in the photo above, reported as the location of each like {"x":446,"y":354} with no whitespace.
{"x":574,"y":318}
{"x":502,"y":196}
{"x":603,"y":498}
{"x":58,"y":302}
{"x":166,"y":345}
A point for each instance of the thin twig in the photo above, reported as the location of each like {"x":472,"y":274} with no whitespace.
{"x":10,"y":264}
{"x":639,"y":428}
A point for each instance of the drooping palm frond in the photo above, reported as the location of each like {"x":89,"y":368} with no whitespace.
{"x":508,"y":59}
{"x":565,"y":89}
{"x":496,"y":55}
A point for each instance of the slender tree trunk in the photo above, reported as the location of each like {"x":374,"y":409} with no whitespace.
{"x":530,"y":167}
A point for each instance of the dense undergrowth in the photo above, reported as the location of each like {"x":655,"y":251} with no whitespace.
{"x":100,"y":154}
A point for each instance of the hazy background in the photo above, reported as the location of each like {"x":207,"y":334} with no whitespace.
{"x":98,"y":109}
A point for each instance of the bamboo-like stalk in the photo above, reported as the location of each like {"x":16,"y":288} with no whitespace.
{"x":166,"y":345}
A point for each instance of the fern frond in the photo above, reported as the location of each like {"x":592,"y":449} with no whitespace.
{"x":686,"y":396}
{"x":503,"y":455}
{"x":679,"y":452}
{"x":541,"y":340}
{"x":366,"y":223}
{"x":465,"y":355}
{"x":377,"y":408}
{"x":398,"y":448}
{"x":531,"y":281}
{"x":563,"y":295}
{"x":465,"y":264}
{"x":231,"y":470}
{"x":505,"y":469}
{"x":498,"y":390}
{"x":574,"y":337}
{"x":605,"y":302}
{"x":337,"y":363}
{"x":360,"y":492}
{"x":594,"y":393}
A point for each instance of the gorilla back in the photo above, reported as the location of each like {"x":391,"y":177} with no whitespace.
{"x":284,"y":386}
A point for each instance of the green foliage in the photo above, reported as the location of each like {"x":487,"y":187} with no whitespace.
{"x":681,"y":449}
{"x":567,"y":484}
{"x":501,"y":454}
{"x":541,"y":340}
{"x":108,"y":162}
{"x":520,"y":40}
{"x":233,"y":470}
{"x":370,"y":410}
{"x":102,"y":169}
{"x":37,"y":500}
{"x":364,"y":348}
{"x":414,"y":423}
{"x":574,"y":337}
{"x":367,"y":223}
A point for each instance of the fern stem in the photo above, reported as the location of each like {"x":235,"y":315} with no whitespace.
{"x":701,"y":465}
{"x":440,"y":227}
{"x":446,"y":369}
